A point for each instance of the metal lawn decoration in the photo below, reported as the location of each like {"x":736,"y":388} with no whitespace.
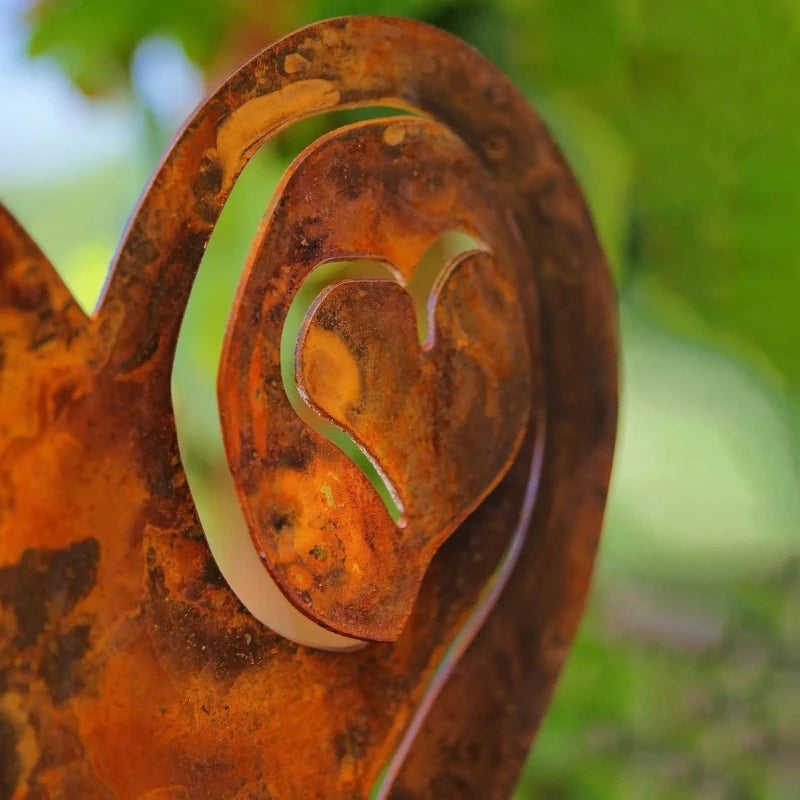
{"x":129,"y":669}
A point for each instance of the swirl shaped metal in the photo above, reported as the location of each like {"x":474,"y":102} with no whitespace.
{"x":128,"y":669}
{"x":442,"y":421}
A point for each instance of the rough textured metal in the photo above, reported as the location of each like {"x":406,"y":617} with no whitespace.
{"x":128,"y":669}
{"x":443,"y":423}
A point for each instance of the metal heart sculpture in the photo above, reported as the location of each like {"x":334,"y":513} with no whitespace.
{"x":442,"y":424}
{"x":129,"y":669}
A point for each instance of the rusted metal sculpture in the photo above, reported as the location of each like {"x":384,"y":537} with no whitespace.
{"x":128,"y":668}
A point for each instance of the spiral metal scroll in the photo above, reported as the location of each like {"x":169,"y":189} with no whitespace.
{"x":128,"y":669}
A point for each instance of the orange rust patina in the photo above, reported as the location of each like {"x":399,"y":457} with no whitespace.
{"x":443,"y":423}
{"x":128,"y":668}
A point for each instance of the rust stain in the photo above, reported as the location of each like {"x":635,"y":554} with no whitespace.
{"x":45,"y":585}
{"x":258,"y":118}
{"x":128,"y":668}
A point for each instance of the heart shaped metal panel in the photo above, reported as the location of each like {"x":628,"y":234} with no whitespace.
{"x":381,"y":190}
{"x":443,"y":422}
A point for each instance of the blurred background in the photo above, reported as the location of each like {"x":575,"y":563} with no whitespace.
{"x":681,"y":121}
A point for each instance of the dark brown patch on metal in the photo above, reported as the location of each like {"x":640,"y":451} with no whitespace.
{"x":10,"y":767}
{"x":59,"y":667}
{"x":45,"y":585}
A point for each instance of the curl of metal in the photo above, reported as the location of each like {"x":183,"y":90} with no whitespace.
{"x":129,"y":670}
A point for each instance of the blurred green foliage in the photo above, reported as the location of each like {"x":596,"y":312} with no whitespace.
{"x":681,"y":122}
{"x":669,"y":705}
{"x":95,"y":40}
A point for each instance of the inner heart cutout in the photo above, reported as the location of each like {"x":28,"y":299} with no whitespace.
{"x":443,"y":419}
{"x":427,"y":276}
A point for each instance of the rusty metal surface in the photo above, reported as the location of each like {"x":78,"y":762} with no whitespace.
{"x":443,"y":423}
{"x":128,"y":669}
